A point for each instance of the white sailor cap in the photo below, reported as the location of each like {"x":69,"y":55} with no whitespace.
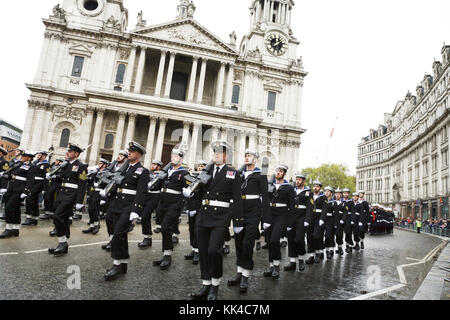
{"x":328,"y":188}
{"x":317,"y":183}
{"x":300,"y":175}
{"x":124,"y":153}
{"x":201,"y":163}
{"x":252,"y":152}
{"x":159,"y":163}
{"x":282,"y":167}
{"x":134,"y":146}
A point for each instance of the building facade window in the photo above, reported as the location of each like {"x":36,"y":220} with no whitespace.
{"x":271,"y":102}
{"x":109,"y":141}
{"x":120,"y":73}
{"x":236,"y":94}
{"x":77,"y":66}
{"x":65,"y":136}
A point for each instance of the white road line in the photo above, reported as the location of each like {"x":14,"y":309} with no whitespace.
{"x":413,"y":259}
{"x":377,"y":293}
{"x":9,"y":254}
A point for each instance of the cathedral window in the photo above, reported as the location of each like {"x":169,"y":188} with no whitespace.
{"x":77,"y":66}
{"x":90,"y":5}
{"x":65,"y":136}
{"x":271,"y":101}
{"x":120,"y":73}
{"x":109,"y":140}
{"x":236,"y":94}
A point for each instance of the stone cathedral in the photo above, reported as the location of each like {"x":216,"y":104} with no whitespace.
{"x":161,"y":85}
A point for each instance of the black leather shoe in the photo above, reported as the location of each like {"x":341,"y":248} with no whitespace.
{"x":339,"y":251}
{"x":276,"y":272}
{"x":53,"y":233}
{"x":317,"y":258}
{"x":61,"y":249}
{"x":139,"y":220}
{"x":196,"y":258}
{"x":189,"y":256}
{"x":301,"y":265}
{"x":332,"y":253}
{"x":45,"y":217}
{"x":243,"y":286}
{"x":30,"y":222}
{"x":226,"y":249}
{"x":96,"y":229}
{"x":156,"y":263}
{"x":166,"y":262}
{"x":213,"y":292}
{"x":356,"y":247}
{"x":329,"y":255}
{"x":268,"y":273}
{"x":202,"y":293}
{"x":235,"y":281}
{"x":9,"y":234}
{"x":157,"y":230}
{"x":175,"y":240}
{"x":258,"y":246}
{"x":265,"y":246}
{"x":89,"y":230}
{"x":348,"y":249}
{"x":131,"y":228}
{"x":284,"y":244}
{"x":77,"y":217}
{"x":290,"y":267}
{"x":124,"y":267}
{"x":310,"y":260}
{"x":146,"y":243}
{"x":107,"y":246}
{"x":114,"y":272}
{"x":321,"y":256}
{"x":362,"y":245}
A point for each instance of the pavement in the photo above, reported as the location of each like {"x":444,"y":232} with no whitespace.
{"x":392,"y":267}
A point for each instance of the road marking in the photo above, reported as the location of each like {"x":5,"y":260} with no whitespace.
{"x":401,"y":273}
{"x":413,"y":259}
{"x":9,"y":254}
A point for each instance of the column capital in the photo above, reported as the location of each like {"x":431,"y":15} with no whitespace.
{"x":172,"y":53}
{"x":89,"y":110}
{"x":122,"y":115}
{"x":204,"y":59}
{"x":142,"y":47}
{"x":163,"y":119}
{"x":187,"y":124}
{"x":164,"y":52}
{"x":223,"y":63}
{"x":197,"y":124}
{"x":132,"y":115}
{"x":100,"y":111}
{"x":153,"y":118}
{"x":195,"y":58}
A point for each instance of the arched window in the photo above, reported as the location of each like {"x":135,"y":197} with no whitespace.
{"x":65,"y":136}
{"x":109,"y":140}
{"x":120,"y":73}
{"x":236,"y":93}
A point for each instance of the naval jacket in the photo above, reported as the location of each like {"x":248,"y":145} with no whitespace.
{"x":304,"y":207}
{"x":176,"y":182}
{"x":36,"y":182}
{"x":73,"y":183}
{"x":18,"y":178}
{"x":3,"y":167}
{"x":255,"y":184}
{"x":285,"y":194}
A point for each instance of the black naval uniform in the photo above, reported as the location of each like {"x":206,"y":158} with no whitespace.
{"x":282,"y":205}
{"x":212,"y":222}
{"x":329,"y":219}
{"x":35,"y":185}
{"x":349,"y":222}
{"x":304,"y":205}
{"x":340,"y":214}
{"x":255,"y":206}
{"x":152,"y":198}
{"x":320,"y":205}
{"x":193,"y":206}
{"x":364,"y":220}
{"x":130,"y":198}
{"x":170,"y":205}
{"x":16,"y":187}
{"x":73,"y":188}
{"x":52,"y":188}
{"x":356,"y":209}
{"x":94,"y":188}
{"x":3,"y":167}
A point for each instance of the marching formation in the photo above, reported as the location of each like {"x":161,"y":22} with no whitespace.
{"x":312,"y":223}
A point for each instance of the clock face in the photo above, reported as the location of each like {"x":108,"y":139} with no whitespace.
{"x":276,"y":44}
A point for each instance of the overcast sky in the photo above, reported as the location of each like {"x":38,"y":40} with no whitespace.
{"x":362,"y":57}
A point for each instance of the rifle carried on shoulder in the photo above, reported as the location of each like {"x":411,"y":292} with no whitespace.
{"x":162,"y":175}
{"x":116,"y":179}
{"x":202,"y":179}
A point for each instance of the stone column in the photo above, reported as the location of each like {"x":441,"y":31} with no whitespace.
{"x":229,"y":89}
{"x":140,"y":70}
{"x":214,"y":137}
{"x":224,"y":134}
{"x":241,"y":149}
{"x":271,"y":11}
{"x":193,"y":79}
{"x":27,"y":133}
{"x":85,"y":132}
{"x":130,"y":69}
{"x":51,"y":58}
{"x":169,"y":75}
{"x":119,"y":134}
{"x":131,"y":127}
{"x":97,"y":135}
{"x":40,"y":115}
{"x":186,"y":128}
{"x":201,"y":84}
{"x":105,"y":65}
{"x":160,"y":141}
{"x":258,"y":11}
{"x":45,"y":133}
{"x":253,"y":141}
{"x":43,"y":58}
{"x":150,"y":141}
{"x":159,"y":80}
{"x":220,"y":79}
{"x":111,"y":66}
{"x":194,"y":143}
{"x":59,"y":61}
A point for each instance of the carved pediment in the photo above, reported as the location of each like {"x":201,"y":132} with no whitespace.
{"x":273,"y":86}
{"x":188,"y":32}
{"x":80,"y":49}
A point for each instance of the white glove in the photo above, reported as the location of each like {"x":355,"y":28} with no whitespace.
{"x":266,"y":225}
{"x":149,"y":185}
{"x":321,"y":223}
{"x":102,"y":202}
{"x":289,"y":229}
{"x":47,"y":176}
{"x":2,"y":191}
{"x":78,"y":207}
{"x":237,"y":230}
{"x":192,"y":213}
{"x":23,"y":196}
{"x":96,"y":185}
{"x":360,"y":224}
{"x":43,"y":192}
{"x":187,"y":192}
{"x":1,"y":174}
{"x":134,"y":216}
{"x":342,"y":221}
{"x":306,"y":224}
{"x":102,"y":193}
{"x":368,"y":224}
{"x":352,"y":222}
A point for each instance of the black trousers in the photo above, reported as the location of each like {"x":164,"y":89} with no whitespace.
{"x":310,"y":238}
{"x":362,"y":231}
{"x":50,"y":197}
{"x":119,"y":243}
{"x":348,"y":230}
{"x":329,"y":231}
{"x":32,"y":204}
{"x":356,"y":232}
{"x":159,"y":217}
{"x":12,"y":208}
{"x":340,"y":234}
{"x":109,"y":219}
{"x":274,"y":233}
{"x":169,"y":226}
{"x":318,"y":237}
{"x":296,"y":238}
{"x":94,"y":206}
{"x":193,"y":231}
{"x":63,"y":211}
{"x":245,"y":241}
{"x":150,"y":205}
{"x":210,"y":246}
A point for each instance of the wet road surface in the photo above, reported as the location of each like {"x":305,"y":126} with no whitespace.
{"x":38,"y":275}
